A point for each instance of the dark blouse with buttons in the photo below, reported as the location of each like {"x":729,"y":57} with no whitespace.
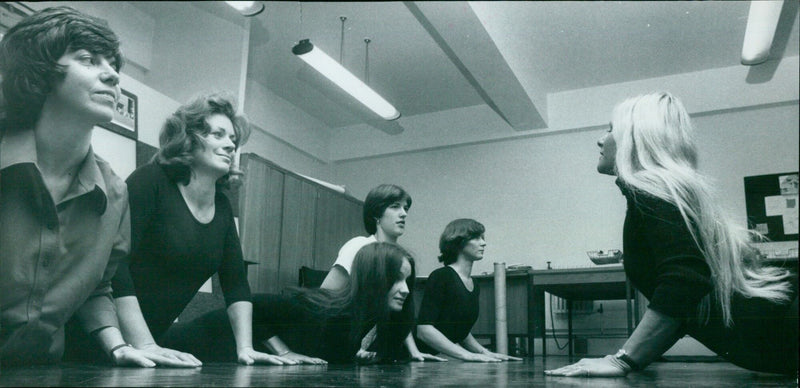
{"x":665,"y":264}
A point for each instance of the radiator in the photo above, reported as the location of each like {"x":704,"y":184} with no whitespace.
{"x":559,"y":306}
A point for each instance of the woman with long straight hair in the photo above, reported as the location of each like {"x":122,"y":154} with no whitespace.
{"x":682,"y":251}
{"x":319,"y":325}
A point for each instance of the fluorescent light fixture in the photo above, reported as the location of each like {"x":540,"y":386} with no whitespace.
{"x":344,"y":79}
{"x":247,"y":8}
{"x":761,"y":24}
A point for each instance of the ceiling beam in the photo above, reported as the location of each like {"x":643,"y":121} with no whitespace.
{"x":463,"y":38}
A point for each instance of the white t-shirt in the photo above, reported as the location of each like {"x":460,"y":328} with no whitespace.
{"x":348,"y":252}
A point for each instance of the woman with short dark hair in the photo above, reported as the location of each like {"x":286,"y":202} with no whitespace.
{"x":385,"y":210}
{"x":450,"y":304}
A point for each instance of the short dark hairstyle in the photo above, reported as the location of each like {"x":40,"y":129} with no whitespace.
{"x":455,"y":236}
{"x":380,"y":198}
{"x":180,"y":135}
{"x":29,"y":54}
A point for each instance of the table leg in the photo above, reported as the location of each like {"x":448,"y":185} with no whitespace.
{"x":531,"y":317}
{"x":569,"y":327}
{"x":540,"y":323}
{"x":628,"y":306}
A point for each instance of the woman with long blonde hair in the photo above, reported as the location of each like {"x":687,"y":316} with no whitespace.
{"x":682,"y":251}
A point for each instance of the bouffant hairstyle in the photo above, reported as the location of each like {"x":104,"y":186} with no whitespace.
{"x":181,"y":136}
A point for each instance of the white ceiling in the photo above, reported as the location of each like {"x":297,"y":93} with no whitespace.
{"x":427,"y":57}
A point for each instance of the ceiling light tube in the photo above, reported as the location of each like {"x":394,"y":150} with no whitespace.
{"x":247,"y":8}
{"x":344,"y":79}
{"x":761,"y":24}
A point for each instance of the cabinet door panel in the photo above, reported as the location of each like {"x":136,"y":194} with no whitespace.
{"x":261,"y":201}
{"x":338,"y":220}
{"x":297,"y":239}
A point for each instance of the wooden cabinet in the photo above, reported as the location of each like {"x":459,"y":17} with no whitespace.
{"x":287,"y":221}
{"x":337,"y":220}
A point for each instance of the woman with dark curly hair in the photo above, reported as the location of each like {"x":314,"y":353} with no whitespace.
{"x":183,"y":232}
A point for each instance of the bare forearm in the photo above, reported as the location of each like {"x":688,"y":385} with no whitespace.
{"x":336,"y":279}
{"x":109,"y":338}
{"x":277,"y":346}
{"x":131,"y":322}
{"x":241,"y":318}
{"x":471,"y":344}
{"x":410,"y":344}
{"x":440,"y":342}
{"x":654,"y":335}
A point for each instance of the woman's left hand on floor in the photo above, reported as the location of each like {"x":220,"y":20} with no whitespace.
{"x":365,"y":355}
{"x":589,"y":367}
{"x":250,"y":356}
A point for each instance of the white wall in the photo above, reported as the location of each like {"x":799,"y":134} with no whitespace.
{"x":541,"y":198}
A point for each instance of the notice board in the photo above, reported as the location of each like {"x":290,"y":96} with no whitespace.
{"x":771,"y":202}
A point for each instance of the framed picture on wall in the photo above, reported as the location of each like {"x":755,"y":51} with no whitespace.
{"x":126,"y":116}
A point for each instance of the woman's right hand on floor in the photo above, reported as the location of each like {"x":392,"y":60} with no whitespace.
{"x":177,"y":358}
{"x":130,"y":356}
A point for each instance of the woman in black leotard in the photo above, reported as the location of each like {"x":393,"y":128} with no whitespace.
{"x":450,"y":305}
{"x":182,"y":233}
{"x":683,"y":253}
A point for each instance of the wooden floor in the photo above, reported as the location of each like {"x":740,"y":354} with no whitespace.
{"x":526,"y":373}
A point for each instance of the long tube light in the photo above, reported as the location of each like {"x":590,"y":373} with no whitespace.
{"x":761,"y":24}
{"x":247,"y":8}
{"x":344,"y":79}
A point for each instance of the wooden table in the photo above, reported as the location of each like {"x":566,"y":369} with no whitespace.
{"x":594,"y":283}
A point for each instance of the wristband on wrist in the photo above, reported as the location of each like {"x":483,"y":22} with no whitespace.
{"x":623,"y":356}
{"x":115,"y":348}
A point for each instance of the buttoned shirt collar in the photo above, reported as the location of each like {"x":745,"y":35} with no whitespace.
{"x":19,"y":147}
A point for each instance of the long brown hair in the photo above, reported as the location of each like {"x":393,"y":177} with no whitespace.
{"x":376,"y":268}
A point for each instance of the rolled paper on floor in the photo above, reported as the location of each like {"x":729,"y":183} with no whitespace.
{"x":500,"y":322}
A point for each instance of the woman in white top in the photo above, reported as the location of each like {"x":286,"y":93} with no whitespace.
{"x":385,"y":211}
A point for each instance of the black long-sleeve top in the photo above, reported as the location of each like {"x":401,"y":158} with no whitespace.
{"x":666,"y":265}
{"x":302,"y":330}
{"x":173,"y":254}
{"x":448,"y":306}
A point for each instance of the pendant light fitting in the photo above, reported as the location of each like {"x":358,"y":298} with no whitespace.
{"x":343,"y":78}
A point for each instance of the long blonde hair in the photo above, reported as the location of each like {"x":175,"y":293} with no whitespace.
{"x":656,"y":155}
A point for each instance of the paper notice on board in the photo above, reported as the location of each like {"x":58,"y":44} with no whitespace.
{"x":775,"y":205}
{"x":790,"y":216}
